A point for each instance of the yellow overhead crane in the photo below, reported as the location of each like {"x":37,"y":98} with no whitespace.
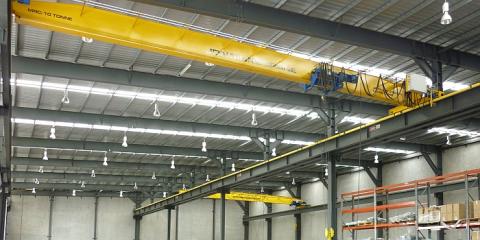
{"x":255,"y":197}
{"x":136,"y":32}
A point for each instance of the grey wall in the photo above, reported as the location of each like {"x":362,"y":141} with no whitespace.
{"x":73,"y":217}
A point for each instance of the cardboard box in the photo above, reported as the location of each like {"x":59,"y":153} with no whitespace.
{"x":446,"y":213}
{"x":434,"y":214}
{"x":476,"y":209}
{"x":458,"y":211}
{"x":475,"y":235}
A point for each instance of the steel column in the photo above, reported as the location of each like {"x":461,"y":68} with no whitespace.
{"x":169,"y":223}
{"x":332,"y":194}
{"x":177,"y":216}
{"x":50,"y":218}
{"x":223,"y":216}
{"x":246,"y":224}
{"x":213,"y":217}
{"x":95,"y":222}
{"x":298,"y":217}
{"x":439,"y":195}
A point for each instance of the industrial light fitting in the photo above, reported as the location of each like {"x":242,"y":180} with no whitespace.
{"x":125,"y":144}
{"x":209,"y":64}
{"x":36,"y":181}
{"x":164,"y":194}
{"x":293,"y":181}
{"x":204,"y":146}
{"x":45,"y":155}
{"x":83,"y":184}
{"x":326,"y":172}
{"x":52,"y":132}
{"x":446,"y":18}
{"x":74,"y":193}
{"x":274,"y":152}
{"x":93,"y":173}
{"x":388,"y":150}
{"x":34,"y":191}
{"x":357,"y":120}
{"x":156,"y":111}
{"x":40,"y":170}
{"x":233,"y":167}
{"x":262,"y":190}
{"x":376,"y":159}
{"x":153,"y":176}
{"x":208,"y":178}
{"x":172,"y":163}
{"x":448,"y":140}
{"x":254,"y":119}
{"x":87,"y":39}
{"x":184,"y":187}
{"x":135,"y":187}
{"x":105,"y":159}
{"x":65,"y":98}
{"x":121,"y":193}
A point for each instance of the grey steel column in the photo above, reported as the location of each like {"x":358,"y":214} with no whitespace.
{"x":95,"y":219}
{"x":298,"y":217}
{"x":269,"y":222}
{"x":222,"y":223}
{"x":50,"y":214}
{"x":246,"y":223}
{"x":213,"y":217}
{"x":169,"y":223}
{"x":439,"y":195}
{"x":332,"y":194}
{"x":177,"y":216}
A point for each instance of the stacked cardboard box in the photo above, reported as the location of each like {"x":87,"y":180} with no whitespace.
{"x":429,"y":215}
{"x":476,"y":209}
{"x":456,"y":211}
{"x":475,"y":235}
{"x":446,"y":212}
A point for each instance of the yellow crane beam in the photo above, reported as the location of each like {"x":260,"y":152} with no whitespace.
{"x":136,"y":32}
{"x":255,"y":197}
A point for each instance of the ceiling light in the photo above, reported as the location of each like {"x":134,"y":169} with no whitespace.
{"x":274,"y":152}
{"x":105,"y":160}
{"x":184,"y":187}
{"x":150,"y":130}
{"x":326,"y":172}
{"x":452,"y":131}
{"x":121,"y":193}
{"x":446,"y":18}
{"x":233,"y":167}
{"x":315,"y":179}
{"x":293,"y":181}
{"x":65,"y":98}
{"x":45,"y":155}
{"x":83,"y":184}
{"x":93,"y":173}
{"x":156,"y":112}
{"x":87,"y":39}
{"x":403,"y":138}
{"x":36,"y":181}
{"x":52,"y":132}
{"x":388,"y":150}
{"x":208,"y":178}
{"x":40,"y":170}
{"x":262,"y":190}
{"x":357,"y":120}
{"x":172,"y":163}
{"x":448,"y":140}
{"x":208,"y":64}
{"x":184,"y":70}
{"x":74,"y":193}
{"x":135,"y":187}
{"x":376,"y":159}
{"x":164,"y":194}
{"x":34,"y":191}
{"x":254,"y":120}
{"x":125,"y":144}
{"x":153,"y":176}
{"x":204,"y":146}
{"x":287,"y":172}
{"x":165,"y":98}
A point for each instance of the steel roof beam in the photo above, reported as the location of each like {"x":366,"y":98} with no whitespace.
{"x":264,"y":16}
{"x":457,"y":106}
{"x":135,"y":148}
{"x":183,"y":84}
{"x":94,"y":119}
